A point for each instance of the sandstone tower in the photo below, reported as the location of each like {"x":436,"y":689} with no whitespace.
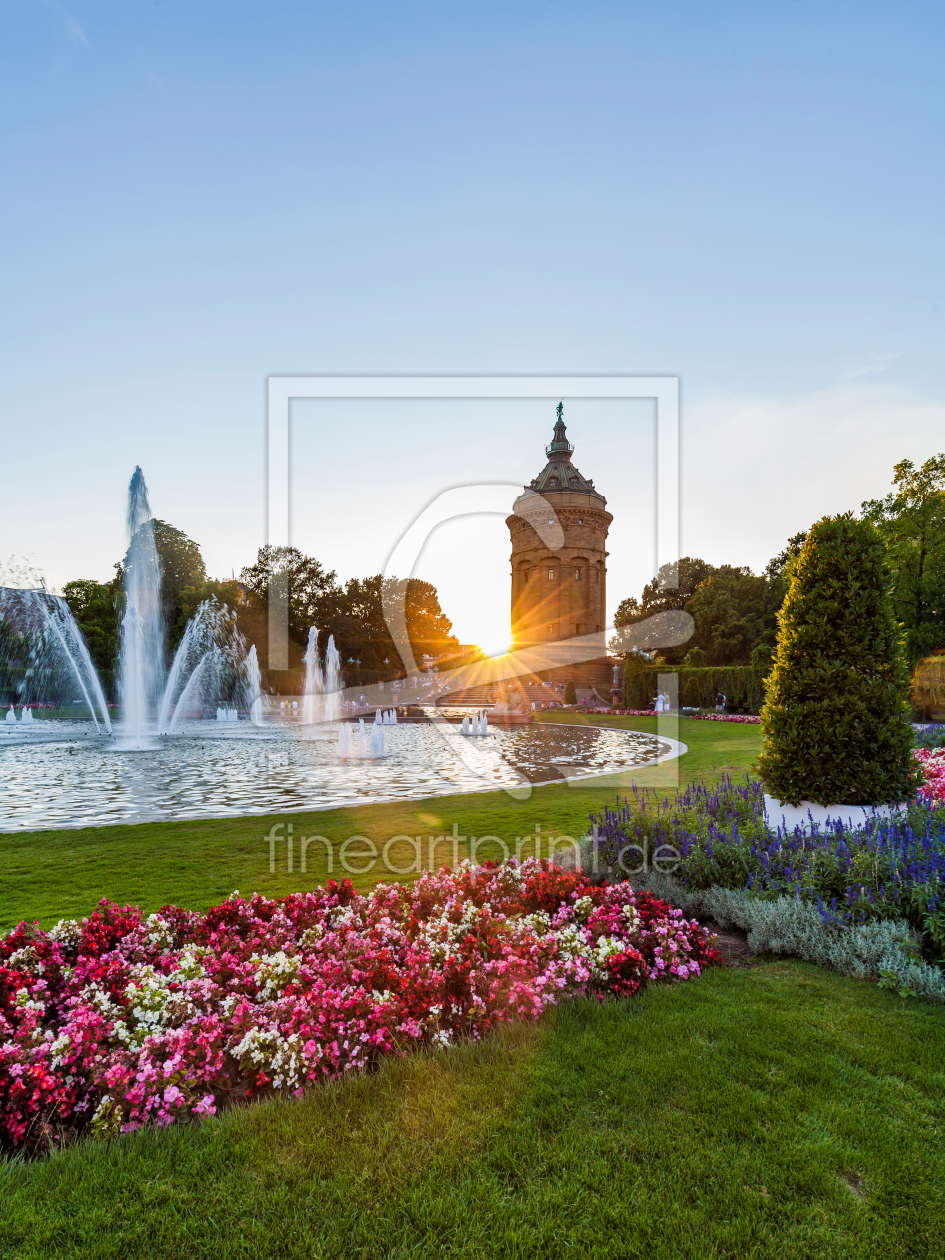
{"x":559,"y":594}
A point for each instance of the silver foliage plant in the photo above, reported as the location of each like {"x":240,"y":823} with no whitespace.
{"x":786,"y":925}
{"x":887,"y":948}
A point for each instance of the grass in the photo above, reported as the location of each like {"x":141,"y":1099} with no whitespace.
{"x":48,"y":875}
{"x":782,"y":1111}
{"x":778,"y":1112}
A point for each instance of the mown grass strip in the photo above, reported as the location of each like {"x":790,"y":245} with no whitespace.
{"x":48,"y":875}
{"x":762,"y":1113}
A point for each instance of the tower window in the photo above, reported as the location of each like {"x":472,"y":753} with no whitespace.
{"x":577,"y":629}
{"x":551,"y":630}
{"x":577,"y":575}
{"x":551,"y":575}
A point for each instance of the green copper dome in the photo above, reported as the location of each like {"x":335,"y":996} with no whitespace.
{"x":559,"y":473}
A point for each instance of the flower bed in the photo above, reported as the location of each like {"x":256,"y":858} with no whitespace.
{"x":120,"y":1021}
{"x":932,"y":761}
{"x":724,"y":717}
{"x":698,"y":717}
{"x":890,"y":868}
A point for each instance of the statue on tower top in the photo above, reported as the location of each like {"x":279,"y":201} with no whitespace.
{"x":560,"y":410}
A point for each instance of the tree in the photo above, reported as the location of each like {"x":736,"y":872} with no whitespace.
{"x":182,"y":568}
{"x":428,"y":626}
{"x":732,"y":609}
{"x":835,"y":722}
{"x":353,"y":614}
{"x":362,"y":631}
{"x":732,"y":613}
{"x":96,"y":608}
{"x":570,"y":695}
{"x":911,"y":521}
{"x":313,"y":593}
{"x":14,"y":659}
{"x":657,"y":597}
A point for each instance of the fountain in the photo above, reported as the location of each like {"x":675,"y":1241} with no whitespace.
{"x":475,"y":727}
{"x":321,"y":701}
{"x":210,"y":664}
{"x":56,"y":655}
{"x":141,"y":654}
{"x":361,"y":743}
{"x":59,"y":781}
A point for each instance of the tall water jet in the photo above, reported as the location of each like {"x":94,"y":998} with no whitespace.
{"x":141,"y":654}
{"x":334,"y":682}
{"x":254,"y":687}
{"x":314,"y":681}
{"x":321,"y":701}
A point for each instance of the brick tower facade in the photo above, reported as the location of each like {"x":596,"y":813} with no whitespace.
{"x":559,"y":593}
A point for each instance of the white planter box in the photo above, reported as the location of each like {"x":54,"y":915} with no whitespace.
{"x":779,"y":814}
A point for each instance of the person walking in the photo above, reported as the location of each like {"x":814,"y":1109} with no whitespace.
{"x":719,"y":702}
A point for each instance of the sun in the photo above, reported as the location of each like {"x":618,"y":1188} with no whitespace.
{"x":494,"y":649}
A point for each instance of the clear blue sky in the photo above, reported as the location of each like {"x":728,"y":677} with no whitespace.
{"x":197,"y":195}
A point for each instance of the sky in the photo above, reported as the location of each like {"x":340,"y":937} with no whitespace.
{"x":199,"y":195}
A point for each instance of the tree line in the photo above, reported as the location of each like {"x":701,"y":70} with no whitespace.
{"x":351,"y":611}
{"x":735,"y":610}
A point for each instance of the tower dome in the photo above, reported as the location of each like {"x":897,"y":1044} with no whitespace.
{"x":559,"y":593}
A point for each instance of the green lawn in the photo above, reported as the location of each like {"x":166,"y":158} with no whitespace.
{"x":782,"y":1111}
{"x":48,"y":875}
{"x":778,"y":1112}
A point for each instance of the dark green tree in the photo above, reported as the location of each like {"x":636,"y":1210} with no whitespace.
{"x":314,"y":595}
{"x":911,"y":521}
{"x":96,"y":608}
{"x":835,"y":722}
{"x":361,"y":630}
{"x":182,"y":569}
{"x":570,"y":695}
{"x":732,"y":612}
{"x":656,"y":597}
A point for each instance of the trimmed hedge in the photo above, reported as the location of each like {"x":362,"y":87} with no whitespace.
{"x":835,"y":723}
{"x":742,"y":685}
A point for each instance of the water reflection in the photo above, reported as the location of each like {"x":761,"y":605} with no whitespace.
{"x":63,"y":776}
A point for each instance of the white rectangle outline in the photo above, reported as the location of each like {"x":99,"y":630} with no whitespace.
{"x":282,"y":391}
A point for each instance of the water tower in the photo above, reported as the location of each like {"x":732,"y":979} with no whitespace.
{"x":562,"y":594}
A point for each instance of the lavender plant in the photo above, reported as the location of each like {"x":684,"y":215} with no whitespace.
{"x":889,"y":869}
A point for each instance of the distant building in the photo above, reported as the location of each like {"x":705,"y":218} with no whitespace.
{"x":559,"y":592}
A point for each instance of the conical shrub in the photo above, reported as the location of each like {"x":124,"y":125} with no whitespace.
{"x":835,"y":722}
